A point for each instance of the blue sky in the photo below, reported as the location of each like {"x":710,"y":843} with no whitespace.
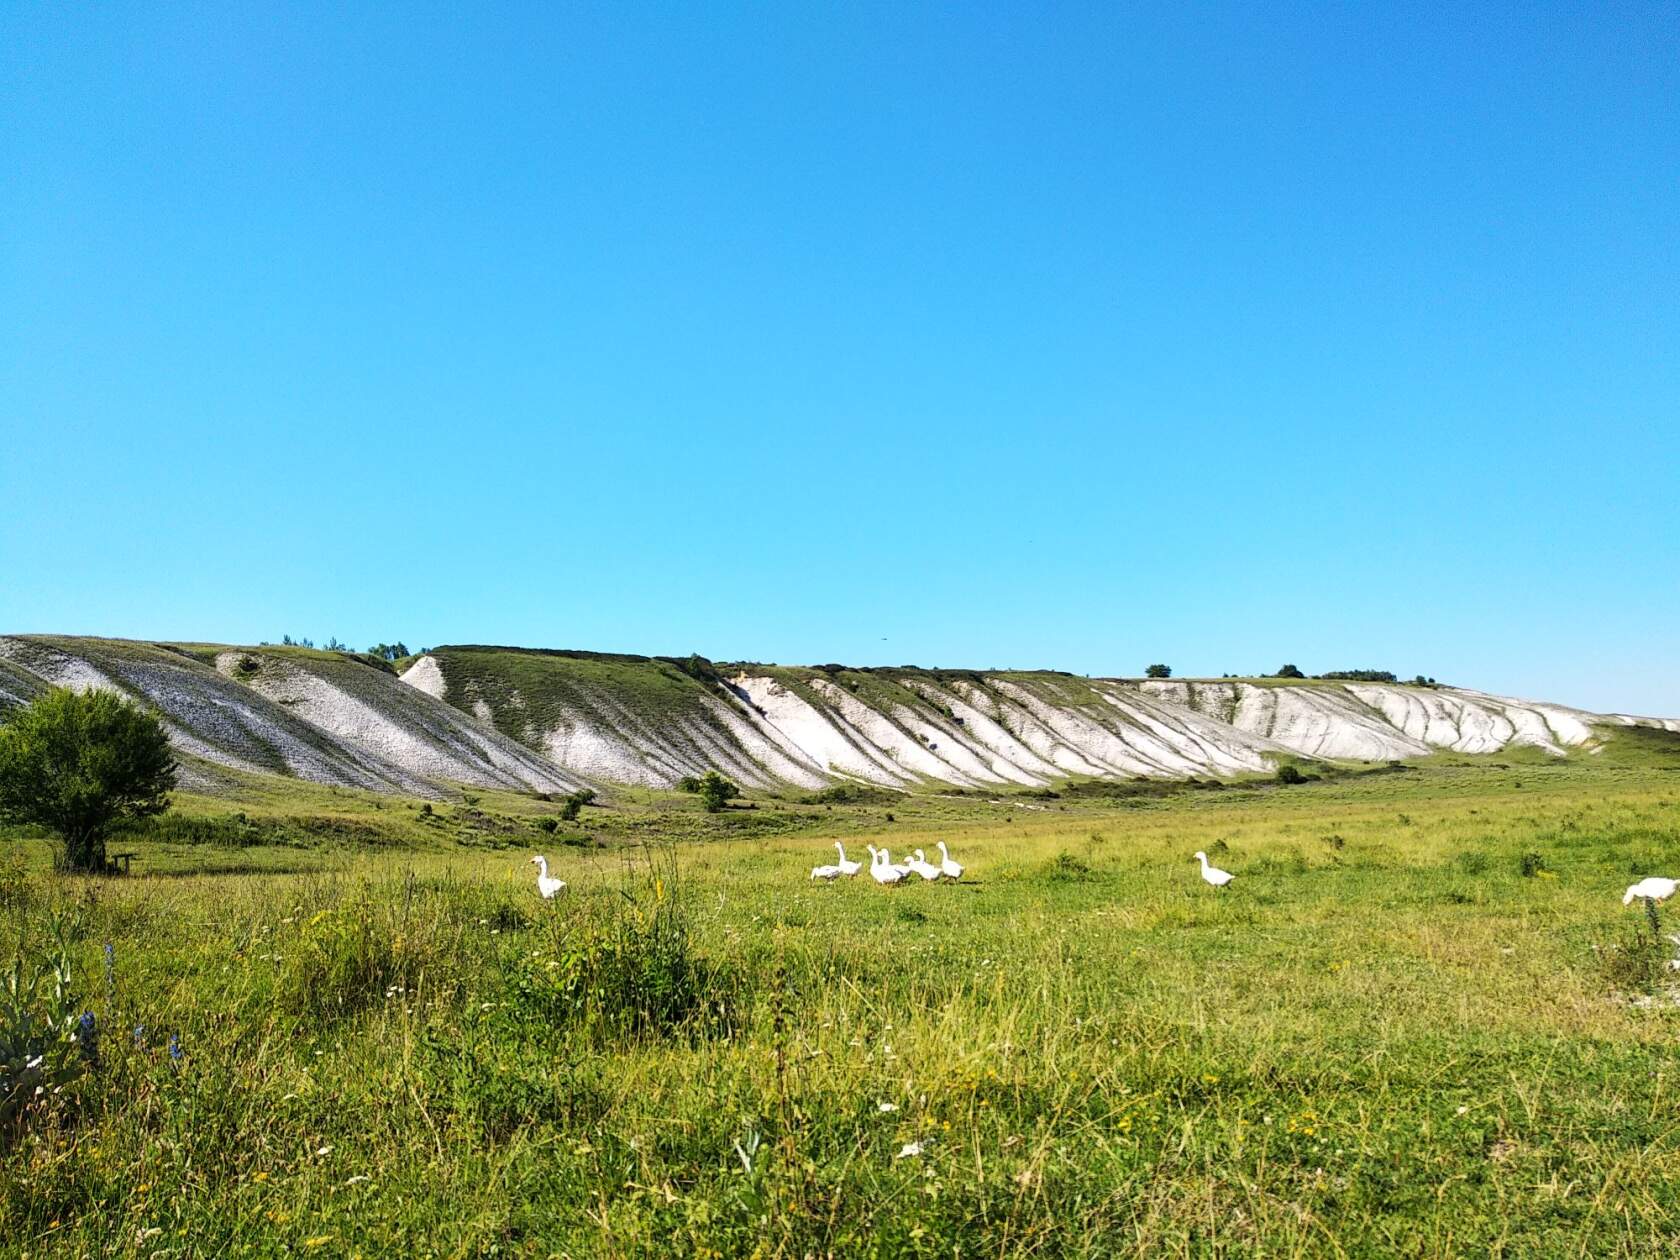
{"x":1067,"y":336}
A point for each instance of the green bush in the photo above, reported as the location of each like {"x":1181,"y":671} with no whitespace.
{"x":716,"y":791}
{"x":1288,"y":774}
{"x":1158,"y":671}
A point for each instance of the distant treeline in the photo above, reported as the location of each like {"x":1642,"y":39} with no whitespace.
{"x":1355,"y":675}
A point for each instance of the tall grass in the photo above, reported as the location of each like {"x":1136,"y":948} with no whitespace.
{"x":1384,"y":1038}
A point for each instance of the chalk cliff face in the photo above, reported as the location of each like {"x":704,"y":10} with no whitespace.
{"x":552,"y":721}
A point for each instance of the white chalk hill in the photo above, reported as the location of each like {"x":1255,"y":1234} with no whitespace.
{"x":552,"y":721}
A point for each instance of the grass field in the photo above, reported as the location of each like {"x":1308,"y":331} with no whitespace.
{"x":1417,"y":1023}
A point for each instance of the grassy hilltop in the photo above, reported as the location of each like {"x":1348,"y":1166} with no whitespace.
{"x":1417,"y":1023}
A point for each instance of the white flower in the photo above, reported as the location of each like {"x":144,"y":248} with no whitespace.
{"x":909,"y":1149}
{"x":887,"y":1106}
{"x":325,"y":1150}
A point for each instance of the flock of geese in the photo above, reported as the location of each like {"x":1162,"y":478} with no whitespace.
{"x":883,"y":870}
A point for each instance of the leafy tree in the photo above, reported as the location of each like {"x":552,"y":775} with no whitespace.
{"x":79,"y":763}
{"x":389,"y":651}
{"x":716,"y":791}
{"x":1290,"y":671}
{"x":1158,"y":671}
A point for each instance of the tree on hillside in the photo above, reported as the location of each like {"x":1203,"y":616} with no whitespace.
{"x":1158,"y":671}
{"x":716,"y":791}
{"x":389,"y":651}
{"x":78,"y":763}
{"x":1289,"y":671}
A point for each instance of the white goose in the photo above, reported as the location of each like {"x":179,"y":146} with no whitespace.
{"x":919,"y":865}
{"x":1652,"y":888}
{"x":846,"y":867}
{"x":950,"y":869}
{"x":881,"y":870}
{"x":1213,"y":874}
{"x":824,"y":872}
{"x":546,"y":884}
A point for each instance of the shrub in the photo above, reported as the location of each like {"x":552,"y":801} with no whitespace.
{"x":1289,"y":671}
{"x":1288,"y":774}
{"x":46,"y":1042}
{"x":689,"y":783}
{"x":78,"y":764}
{"x":851,"y":794}
{"x":1158,"y":671}
{"x":1531,"y":864}
{"x":716,"y":791}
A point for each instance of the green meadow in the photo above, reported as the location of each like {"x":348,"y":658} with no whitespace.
{"x":1419,"y":1022}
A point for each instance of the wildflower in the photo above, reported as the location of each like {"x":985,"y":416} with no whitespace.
{"x":110,"y":965}
{"x":324,"y":1151}
{"x":139,"y":1036}
{"x":320,"y":1240}
{"x":887,"y":1106}
{"x":909,"y":1150}
{"x":87,"y":1035}
{"x":176,"y":1054}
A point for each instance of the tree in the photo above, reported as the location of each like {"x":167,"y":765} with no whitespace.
{"x":1158,"y":671}
{"x":1290,"y":671}
{"x":389,"y":651}
{"x":716,"y":791}
{"x":81,"y":762}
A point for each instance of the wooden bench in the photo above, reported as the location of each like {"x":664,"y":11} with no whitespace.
{"x":124,"y":858}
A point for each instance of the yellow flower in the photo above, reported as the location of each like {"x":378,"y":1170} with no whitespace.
{"x":320,"y":1240}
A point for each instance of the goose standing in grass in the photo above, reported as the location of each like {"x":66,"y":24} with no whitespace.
{"x":1213,"y":874}
{"x":1651,"y":888}
{"x":880,"y":870}
{"x":919,"y":865}
{"x":547,"y":885}
{"x":824,"y":872}
{"x":846,"y":867}
{"x":950,"y":869}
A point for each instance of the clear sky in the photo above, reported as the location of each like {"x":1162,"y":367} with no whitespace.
{"x":1068,"y":336}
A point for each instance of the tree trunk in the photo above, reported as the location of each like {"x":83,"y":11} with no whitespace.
{"x":84,"y":851}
